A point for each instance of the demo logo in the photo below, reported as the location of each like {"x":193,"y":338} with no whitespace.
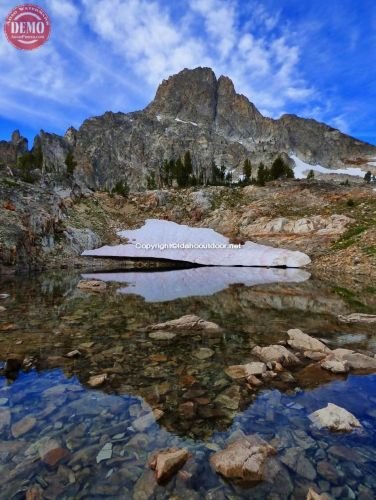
{"x":27,"y":27}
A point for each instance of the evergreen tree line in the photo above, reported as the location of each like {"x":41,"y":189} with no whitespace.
{"x":278,"y":170}
{"x":29,"y":161}
{"x":180,"y":172}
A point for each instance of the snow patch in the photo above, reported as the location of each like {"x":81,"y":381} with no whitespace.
{"x":197,"y":246}
{"x":302,"y":168}
{"x":189,"y":123}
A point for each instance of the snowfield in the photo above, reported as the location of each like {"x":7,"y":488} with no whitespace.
{"x":301,"y":169}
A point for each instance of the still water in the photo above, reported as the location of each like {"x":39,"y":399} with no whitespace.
{"x":68,"y":440}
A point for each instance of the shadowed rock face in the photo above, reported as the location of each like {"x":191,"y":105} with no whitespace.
{"x":194,"y":111}
{"x":10,"y":151}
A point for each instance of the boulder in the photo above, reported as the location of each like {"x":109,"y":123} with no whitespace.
{"x":335,"y":366}
{"x":354,"y":360}
{"x":243,"y":459}
{"x":167,"y":462}
{"x":303,"y":342}
{"x":277,"y":354}
{"x":334,"y":418}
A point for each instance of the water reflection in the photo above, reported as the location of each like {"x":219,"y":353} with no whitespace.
{"x":52,"y":431}
{"x":200,"y":281}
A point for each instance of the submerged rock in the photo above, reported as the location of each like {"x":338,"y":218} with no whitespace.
{"x":105,"y":453}
{"x":203,"y":353}
{"x":312,"y":495}
{"x":334,"y":418}
{"x":167,"y":462}
{"x":162,"y":335}
{"x":243,"y":459}
{"x":23,"y":426}
{"x":97,"y":380}
{"x":276,"y":353}
{"x":303,"y":342}
{"x":238,"y":372}
{"x":189,"y":322}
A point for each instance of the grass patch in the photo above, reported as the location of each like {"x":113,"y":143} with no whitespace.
{"x":351,"y":236}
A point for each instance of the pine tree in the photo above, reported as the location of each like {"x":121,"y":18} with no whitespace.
{"x":280,"y":169}
{"x":181,"y":175}
{"x":368,"y":177}
{"x":151,"y":183}
{"x":188,"y":163}
{"x":311,"y":175}
{"x":247,"y":170}
{"x":262,"y":175}
{"x":70,"y":163}
{"x":121,"y":188}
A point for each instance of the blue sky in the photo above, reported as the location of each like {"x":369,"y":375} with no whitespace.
{"x":314,"y":58}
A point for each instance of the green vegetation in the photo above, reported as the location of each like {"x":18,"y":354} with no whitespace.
{"x":151,"y":182}
{"x":311,"y":175}
{"x":183,"y":173}
{"x":262,"y":175}
{"x":247,"y":171}
{"x":280,"y":170}
{"x":70,"y":163}
{"x":29,"y":161}
{"x":350,"y":237}
{"x":121,"y":188}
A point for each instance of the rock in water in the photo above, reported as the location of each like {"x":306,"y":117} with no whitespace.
{"x":189,"y":322}
{"x":97,"y":380}
{"x":276,"y":353}
{"x":335,"y":366}
{"x":23,"y":426}
{"x":303,"y":342}
{"x":167,"y":462}
{"x":243,"y":459}
{"x":312,"y":495}
{"x":334,"y":418}
{"x":157,"y":239}
{"x":353,"y":360}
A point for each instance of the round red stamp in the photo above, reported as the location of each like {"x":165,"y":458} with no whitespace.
{"x":27,"y":27}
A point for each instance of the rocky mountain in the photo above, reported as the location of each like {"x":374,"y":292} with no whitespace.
{"x":196,"y":111}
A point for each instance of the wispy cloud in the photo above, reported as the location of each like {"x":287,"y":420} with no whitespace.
{"x":111,"y":55}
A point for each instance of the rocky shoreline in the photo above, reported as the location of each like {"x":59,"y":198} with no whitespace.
{"x":49,"y":229}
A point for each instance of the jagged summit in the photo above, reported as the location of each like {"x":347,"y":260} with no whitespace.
{"x":196,"y":111}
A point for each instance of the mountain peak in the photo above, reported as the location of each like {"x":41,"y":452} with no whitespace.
{"x":190,"y":95}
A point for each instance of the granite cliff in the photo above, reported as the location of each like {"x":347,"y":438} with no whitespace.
{"x":196,"y":111}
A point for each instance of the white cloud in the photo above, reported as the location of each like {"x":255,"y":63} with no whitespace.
{"x":111,"y":55}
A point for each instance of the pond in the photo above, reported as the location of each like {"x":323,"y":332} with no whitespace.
{"x":68,"y":440}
